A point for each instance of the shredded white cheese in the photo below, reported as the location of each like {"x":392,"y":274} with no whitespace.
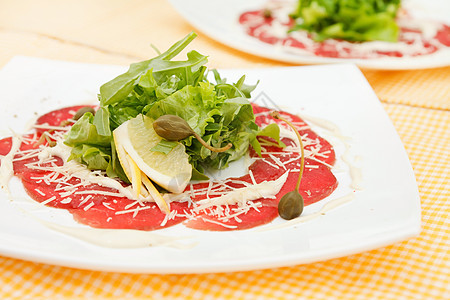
{"x":265,"y":189}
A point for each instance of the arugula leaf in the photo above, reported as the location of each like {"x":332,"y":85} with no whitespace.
{"x":120,"y":87}
{"x":117,"y":89}
{"x":239,"y":89}
{"x":352,"y":20}
{"x":271,"y":131}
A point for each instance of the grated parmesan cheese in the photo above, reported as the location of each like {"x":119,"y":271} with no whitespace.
{"x":240,"y":196}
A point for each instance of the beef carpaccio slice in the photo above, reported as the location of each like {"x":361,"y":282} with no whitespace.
{"x":109,"y":210}
{"x":414,"y":42}
{"x":317,"y":182}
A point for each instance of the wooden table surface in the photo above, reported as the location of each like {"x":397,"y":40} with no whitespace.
{"x":121,"y":32}
{"x":103,"y":31}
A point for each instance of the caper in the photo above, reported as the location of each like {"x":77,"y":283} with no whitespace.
{"x":175,"y":128}
{"x":82,"y":111}
{"x":172,"y":128}
{"x":267,"y":13}
{"x":291,"y":205}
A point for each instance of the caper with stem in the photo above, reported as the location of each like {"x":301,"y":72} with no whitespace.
{"x":291,"y":204}
{"x":175,"y":128}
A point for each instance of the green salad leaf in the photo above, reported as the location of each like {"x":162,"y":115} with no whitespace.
{"x":219,"y":112}
{"x":352,"y":20}
{"x":95,"y":151}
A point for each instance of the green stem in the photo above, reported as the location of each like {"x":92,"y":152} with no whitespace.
{"x":276,"y":115}
{"x":214,"y":149}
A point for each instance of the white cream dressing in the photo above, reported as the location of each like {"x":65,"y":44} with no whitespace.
{"x":347,"y":157}
{"x":115,"y":238}
{"x":325,"y":124}
{"x":355,"y":172}
{"x":302,"y":219}
{"x":6,"y":167}
{"x":123,"y":238}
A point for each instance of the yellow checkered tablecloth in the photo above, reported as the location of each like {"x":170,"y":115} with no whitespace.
{"x":429,"y":88}
{"x":418,"y":104}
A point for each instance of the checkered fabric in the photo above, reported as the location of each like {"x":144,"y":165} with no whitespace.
{"x":428,"y":88}
{"x":415,"y":269}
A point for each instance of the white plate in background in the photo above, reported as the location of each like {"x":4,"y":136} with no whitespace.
{"x":219,"y":20}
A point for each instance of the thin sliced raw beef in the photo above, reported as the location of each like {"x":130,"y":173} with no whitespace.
{"x":149,"y":216}
{"x":317,"y":181}
{"x":56,"y":117}
{"x":108,"y":211}
{"x":412,"y":42}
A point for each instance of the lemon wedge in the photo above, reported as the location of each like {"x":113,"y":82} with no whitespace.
{"x":134,"y":140}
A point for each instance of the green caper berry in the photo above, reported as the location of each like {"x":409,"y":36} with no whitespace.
{"x":290,"y":205}
{"x":82,"y":111}
{"x":267,"y":13}
{"x":172,"y":128}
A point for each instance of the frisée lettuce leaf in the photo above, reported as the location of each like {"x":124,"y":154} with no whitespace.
{"x":94,"y":150}
{"x":352,"y":20}
{"x":219,"y":112}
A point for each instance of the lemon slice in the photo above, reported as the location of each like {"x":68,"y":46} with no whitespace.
{"x":140,"y":182}
{"x":134,"y":140}
{"x":135,"y":176}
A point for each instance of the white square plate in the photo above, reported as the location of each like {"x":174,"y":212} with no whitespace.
{"x":384,"y":211}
